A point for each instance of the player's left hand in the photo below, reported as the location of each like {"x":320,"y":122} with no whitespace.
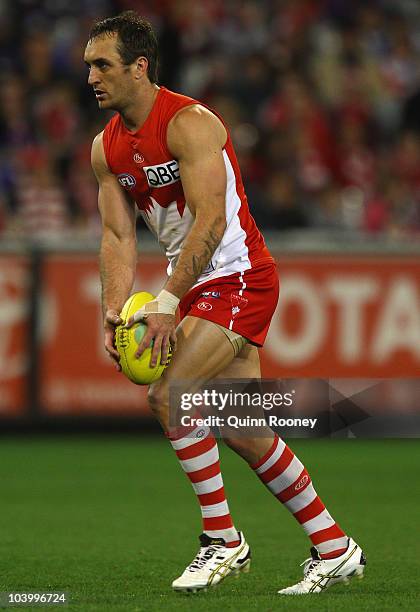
{"x":160,"y":330}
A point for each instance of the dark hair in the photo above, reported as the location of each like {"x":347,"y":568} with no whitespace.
{"x":135,"y":38}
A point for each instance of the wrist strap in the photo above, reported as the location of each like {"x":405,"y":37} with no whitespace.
{"x":168,"y":299}
{"x":164,"y":303}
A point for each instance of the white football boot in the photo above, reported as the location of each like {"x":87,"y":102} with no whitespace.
{"x":319,"y":574}
{"x":213,"y":563}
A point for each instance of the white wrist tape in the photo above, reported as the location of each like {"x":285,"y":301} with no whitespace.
{"x":168,"y":302}
{"x":165,"y":303}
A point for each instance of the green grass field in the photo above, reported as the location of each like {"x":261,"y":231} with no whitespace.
{"x":114,"y":520}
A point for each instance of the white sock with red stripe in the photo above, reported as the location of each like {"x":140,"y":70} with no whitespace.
{"x":199,"y":457}
{"x":282,"y":472}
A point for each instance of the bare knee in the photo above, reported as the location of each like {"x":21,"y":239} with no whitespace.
{"x":251,"y":449}
{"x":158,"y":397}
{"x":243,"y":446}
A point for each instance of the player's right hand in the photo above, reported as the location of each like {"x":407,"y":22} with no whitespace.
{"x":112,"y":319}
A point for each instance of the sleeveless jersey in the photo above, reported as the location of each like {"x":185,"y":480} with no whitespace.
{"x":146,"y":169}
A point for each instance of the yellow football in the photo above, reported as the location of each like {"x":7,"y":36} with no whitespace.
{"x":137,"y":369}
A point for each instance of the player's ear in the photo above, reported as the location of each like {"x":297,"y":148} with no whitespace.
{"x":141,"y":64}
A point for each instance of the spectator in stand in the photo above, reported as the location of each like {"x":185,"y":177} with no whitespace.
{"x":41,"y":202}
{"x":356,"y":159}
{"x":84,"y":191}
{"x":394,"y":209}
{"x":325,"y":210}
{"x":282,"y":210}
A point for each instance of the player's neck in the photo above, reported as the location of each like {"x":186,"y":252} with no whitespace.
{"x":137,"y":111}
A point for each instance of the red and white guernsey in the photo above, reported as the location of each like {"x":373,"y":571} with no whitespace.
{"x":146,"y":169}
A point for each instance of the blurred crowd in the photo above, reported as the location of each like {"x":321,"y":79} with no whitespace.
{"x":322,"y":98}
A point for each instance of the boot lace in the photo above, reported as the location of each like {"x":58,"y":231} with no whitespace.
{"x":204,"y":555}
{"x":311,"y":568}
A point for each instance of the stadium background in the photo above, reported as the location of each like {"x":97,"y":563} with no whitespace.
{"x":322,"y":98}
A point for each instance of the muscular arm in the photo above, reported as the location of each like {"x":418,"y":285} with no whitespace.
{"x":118,"y":252}
{"x":118,"y":245}
{"x":196,"y":138}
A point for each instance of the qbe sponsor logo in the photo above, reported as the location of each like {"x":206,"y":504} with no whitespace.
{"x":127,"y":180}
{"x":162,"y":175}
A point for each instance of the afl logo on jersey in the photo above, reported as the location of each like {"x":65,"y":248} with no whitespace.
{"x":162,"y":174}
{"x":127,"y":181}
